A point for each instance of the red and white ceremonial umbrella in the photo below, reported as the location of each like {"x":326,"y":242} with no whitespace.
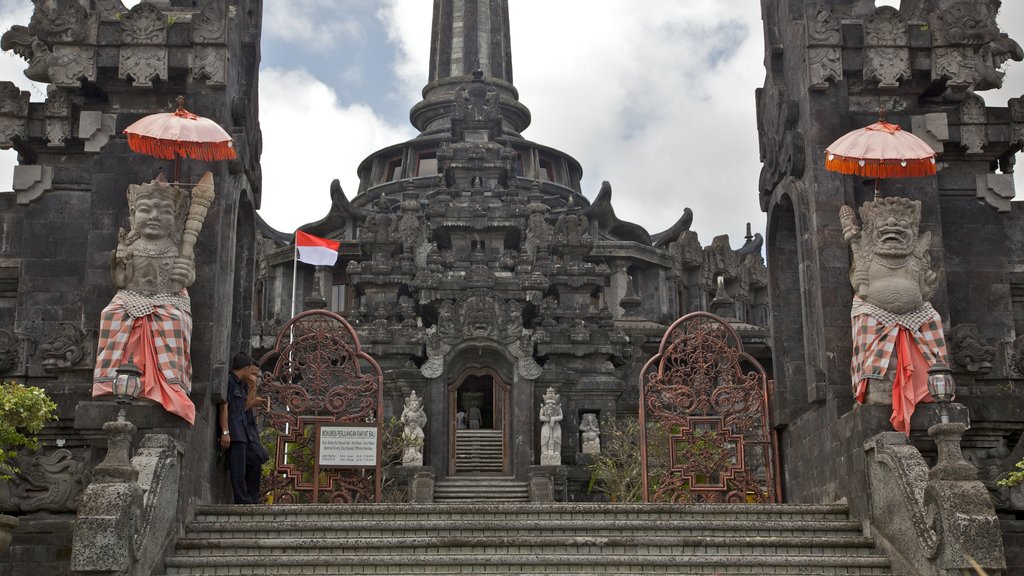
{"x":180,"y":134}
{"x":881,"y":150}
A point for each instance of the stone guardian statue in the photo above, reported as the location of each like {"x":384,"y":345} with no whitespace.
{"x":897,"y":335}
{"x":590,"y":433}
{"x":150,"y":317}
{"x":551,"y":429}
{"x":414,"y":419}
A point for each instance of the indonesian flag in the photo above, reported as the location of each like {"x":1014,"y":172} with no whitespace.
{"x":315,"y":250}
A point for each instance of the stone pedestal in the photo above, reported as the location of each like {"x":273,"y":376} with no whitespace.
{"x":547,"y":483}
{"x":421,"y":488}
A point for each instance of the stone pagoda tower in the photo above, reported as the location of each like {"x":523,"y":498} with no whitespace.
{"x":478,"y":275}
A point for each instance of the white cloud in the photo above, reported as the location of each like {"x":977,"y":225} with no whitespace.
{"x":309,"y":139}
{"x":313,"y":24}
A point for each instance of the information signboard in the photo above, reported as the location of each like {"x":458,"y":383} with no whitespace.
{"x":348,"y":447}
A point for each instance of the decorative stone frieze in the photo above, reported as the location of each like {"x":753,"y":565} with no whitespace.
{"x":53,"y":482}
{"x":969,"y":351}
{"x":824,"y":47}
{"x":886,"y":51}
{"x":973,"y":118}
{"x":143,"y":55}
{"x":13,"y":114}
{"x":68,"y":348}
{"x":58,"y":116}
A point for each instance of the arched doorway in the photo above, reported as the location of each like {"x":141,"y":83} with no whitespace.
{"x":478,"y":423}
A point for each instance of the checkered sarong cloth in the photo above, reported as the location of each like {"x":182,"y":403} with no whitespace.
{"x":874,"y":338}
{"x":172,"y":334}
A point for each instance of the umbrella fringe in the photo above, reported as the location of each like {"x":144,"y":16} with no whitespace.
{"x":881,"y":168}
{"x":171,"y":149}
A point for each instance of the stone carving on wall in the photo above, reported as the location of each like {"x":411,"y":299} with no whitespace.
{"x":12,"y":352}
{"x":886,"y":50}
{"x":13,"y":114}
{"x":59,"y":43}
{"x":150,"y":317}
{"x":539,"y":232}
{"x":781,"y":144}
{"x":413,"y":419}
{"x":993,"y":463}
{"x":109,"y":10}
{"x":211,"y":63}
{"x":210,"y":24}
{"x":58,"y":116}
{"x":143,"y":56}
{"x":1016,"y":106}
{"x":590,"y":434}
{"x":1015,"y":356}
{"x":551,"y":429}
{"x":69,"y":348}
{"x":973,"y":117}
{"x":969,"y":351}
{"x":892,"y":280}
{"x":52,"y":482}
{"x":967,"y":47}
{"x":824,"y":47}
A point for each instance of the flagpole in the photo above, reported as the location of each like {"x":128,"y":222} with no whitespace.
{"x":295,"y":273}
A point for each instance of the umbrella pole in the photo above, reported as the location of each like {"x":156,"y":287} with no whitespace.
{"x":177,"y":171}
{"x":877,"y":183}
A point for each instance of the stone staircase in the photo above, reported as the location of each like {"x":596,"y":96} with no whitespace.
{"x":480,"y":489}
{"x":551,"y":539}
{"x":479,"y":451}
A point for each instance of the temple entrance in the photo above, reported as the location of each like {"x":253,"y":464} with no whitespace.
{"x":478,"y":424}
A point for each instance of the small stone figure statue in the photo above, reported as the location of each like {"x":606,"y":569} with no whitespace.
{"x":591,"y":434}
{"x":149,"y":319}
{"x":460,"y":419}
{"x":414,"y":419}
{"x":892,"y":318}
{"x":551,"y":429}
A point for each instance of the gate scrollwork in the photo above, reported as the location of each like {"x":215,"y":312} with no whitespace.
{"x":705,"y":435}
{"x":318,"y":375}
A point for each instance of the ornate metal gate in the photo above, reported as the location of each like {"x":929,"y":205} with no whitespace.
{"x":705,"y":435}
{"x":320,"y":377}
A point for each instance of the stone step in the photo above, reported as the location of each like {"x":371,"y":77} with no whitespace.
{"x":522,"y":563}
{"x":537,"y":544}
{"x":527,"y":511}
{"x":394,"y":527}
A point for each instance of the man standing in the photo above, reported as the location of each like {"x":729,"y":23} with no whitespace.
{"x":239,"y":434}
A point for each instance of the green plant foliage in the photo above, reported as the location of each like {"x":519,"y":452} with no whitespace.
{"x":616,"y":471}
{"x":24,"y":410}
{"x":1014,"y":478}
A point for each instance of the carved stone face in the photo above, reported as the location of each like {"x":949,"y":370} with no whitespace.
{"x":894,"y":237}
{"x":154,"y":218}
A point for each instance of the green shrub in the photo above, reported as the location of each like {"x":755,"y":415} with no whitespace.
{"x":1014,"y":478}
{"x":24,"y":410}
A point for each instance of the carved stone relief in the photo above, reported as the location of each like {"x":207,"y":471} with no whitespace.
{"x":12,"y":353}
{"x":13,"y":114}
{"x":52,"y":482}
{"x":58,"y":116}
{"x":972,"y":124}
{"x":886,"y":51}
{"x":969,"y":351}
{"x":210,"y":24}
{"x":781,"y":143}
{"x":143,"y":56}
{"x":70,"y":64}
{"x":211,"y":63}
{"x":1016,"y":106}
{"x":69,"y":348}
{"x":824,"y":47}
{"x":1015,"y":356}
{"x":968,"y":48}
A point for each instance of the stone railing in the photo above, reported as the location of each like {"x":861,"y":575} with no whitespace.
{"x":128,"y":513}
{"x":933,"y":522}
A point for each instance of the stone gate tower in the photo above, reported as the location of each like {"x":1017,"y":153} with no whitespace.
{"x":830,"y":67}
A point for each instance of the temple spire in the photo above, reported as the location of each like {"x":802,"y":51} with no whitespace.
{"x":469,"y":43}
{"x":470,"y":35}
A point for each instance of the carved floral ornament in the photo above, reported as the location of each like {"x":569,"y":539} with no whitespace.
{"x":824,"y":47}
{"x":886,"y":51}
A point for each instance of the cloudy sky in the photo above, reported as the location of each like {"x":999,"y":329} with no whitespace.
{"x":657,"y":100}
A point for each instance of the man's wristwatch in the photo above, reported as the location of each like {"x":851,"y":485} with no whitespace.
{"x":225,"y":433}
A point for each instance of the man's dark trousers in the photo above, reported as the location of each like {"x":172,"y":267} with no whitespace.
{"x":244,"y":469}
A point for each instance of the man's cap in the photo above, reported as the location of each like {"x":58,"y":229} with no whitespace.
{"x":242,"y":360}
